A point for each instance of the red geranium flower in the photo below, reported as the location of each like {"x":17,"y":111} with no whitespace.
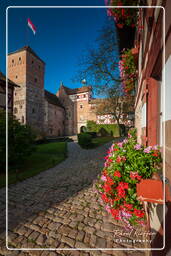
{"x":105,"y":198}
{"x":134,"y":175}
{"x":120,"y":25}
{"x":139,"y":213}
{"x":123,"y":185}
{"x":115,"y":213}
{"x":117,"y":174}
{"x":128,"y":206}
{"x":118,"y":159}
{"x":110,"y":181}
{"x":107,"y":188}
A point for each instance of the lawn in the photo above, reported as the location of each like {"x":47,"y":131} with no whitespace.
{"x":96,"y":142}
{"x":101,"y":140}
{"x":45,"y":157}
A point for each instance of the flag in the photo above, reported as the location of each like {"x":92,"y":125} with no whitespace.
{"x":31,"y":25}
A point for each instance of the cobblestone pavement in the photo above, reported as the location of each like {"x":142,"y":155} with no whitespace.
{"x":59,"y":208}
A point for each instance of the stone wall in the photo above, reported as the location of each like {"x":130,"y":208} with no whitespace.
{"x":27,"y":70}
{"x":17,"y":73}
{"x":54,"y":120}
{"x":69,"y":112}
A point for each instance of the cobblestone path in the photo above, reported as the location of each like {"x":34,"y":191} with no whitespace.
{"x":59,"y":208}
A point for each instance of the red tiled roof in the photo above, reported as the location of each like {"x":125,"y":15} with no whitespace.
{"x":77,"y":90}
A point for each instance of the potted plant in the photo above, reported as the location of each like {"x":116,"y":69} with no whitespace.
{"x":127,"y":163}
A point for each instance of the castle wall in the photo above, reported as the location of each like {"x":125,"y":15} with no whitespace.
{"x":35,"y":92}
{"x":70,"y":118}
{"x":17,"y":73}
{"x":54,"y":120}
{"x":27,"y":71}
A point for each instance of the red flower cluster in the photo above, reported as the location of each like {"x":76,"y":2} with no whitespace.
{"x":128,"y":206}
{"x":115,"y":213}
{"x":117,"y":174}
{"x":121,"y":189}
{"x":120,"y":159}
{"x":134,"y":175}
{"x":139,"y":213}
{"x":155,"y":153}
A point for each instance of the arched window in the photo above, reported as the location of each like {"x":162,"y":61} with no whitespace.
{"x":15,"y":110}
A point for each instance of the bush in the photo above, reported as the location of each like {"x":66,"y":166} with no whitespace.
{"x":110,"y":128}
{"x":84,"y":139}
{"x":93,"y":134}
{"x":20,"y":142}
{"x":127,"y":163}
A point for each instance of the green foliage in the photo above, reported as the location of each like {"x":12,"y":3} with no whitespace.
{"x":20,"y":142}
{"x":84,"y":139}
{"x":111,"y":129}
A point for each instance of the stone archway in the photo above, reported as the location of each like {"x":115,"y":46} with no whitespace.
{"x":83,"y":128}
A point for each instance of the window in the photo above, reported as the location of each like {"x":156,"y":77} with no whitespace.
{"x":19,"y":58}
{"x":15,"y":110}
{"x":39,"y":66}
{"x":33,"y":110}
{"x":32,"y":61}
{"x":81,"y":106}
{"x":22,"y":119}
{"x":16,"y":76}
{"x":12,"y":61}
{"x":84,"y":95}
{"x":35,"y":80}
{"x":15,"y":94}
{"x":21,"y":106}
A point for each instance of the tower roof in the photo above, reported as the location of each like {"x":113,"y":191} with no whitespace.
{"x":77,"y":90}
{"x":52,"y":99}
{"x":28,"y":49}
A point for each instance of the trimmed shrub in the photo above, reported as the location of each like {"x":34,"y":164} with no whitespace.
{"x":20,"y":142}
{"x":84,"y":139}
{"x":110,"y":128}
{"x":93,"y":134}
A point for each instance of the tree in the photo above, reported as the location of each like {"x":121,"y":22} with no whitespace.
{"x":100,"y":67}
{"x":20,"y":142}
{"x":116,"y":105}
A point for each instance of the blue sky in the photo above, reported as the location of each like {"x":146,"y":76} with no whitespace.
{"x":62,"y":35}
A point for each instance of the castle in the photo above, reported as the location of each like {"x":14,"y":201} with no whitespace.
{"x":55,"y":115}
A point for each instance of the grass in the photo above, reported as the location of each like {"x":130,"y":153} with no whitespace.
{"x":46,"y":156}
{"x":96,"y":142}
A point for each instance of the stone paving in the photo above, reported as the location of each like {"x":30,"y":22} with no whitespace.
{"x":59,"y":208}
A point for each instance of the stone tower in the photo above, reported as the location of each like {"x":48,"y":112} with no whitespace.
{"x":26,"y":69}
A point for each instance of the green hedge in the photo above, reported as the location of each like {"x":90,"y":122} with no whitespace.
{"x":111,"y":129}
{"x":84,"y":139}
